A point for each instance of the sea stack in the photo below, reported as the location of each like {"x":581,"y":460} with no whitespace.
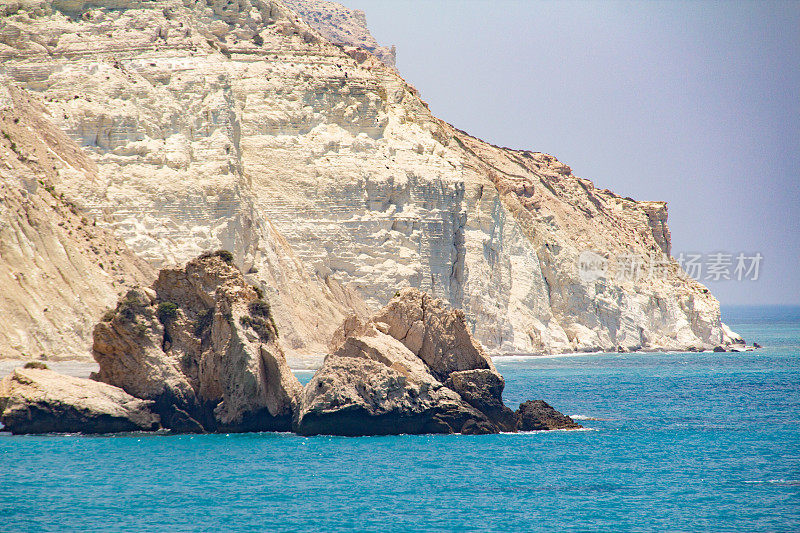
{"x":199,"y":351}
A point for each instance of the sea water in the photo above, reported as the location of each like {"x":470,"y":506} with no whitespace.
{"x":680,"y":442}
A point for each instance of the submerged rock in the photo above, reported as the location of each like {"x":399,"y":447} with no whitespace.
{"x":34,"y":400}
{"x":538,"y":415}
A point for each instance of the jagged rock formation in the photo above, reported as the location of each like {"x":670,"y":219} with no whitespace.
{"x":34,"y":400}
{"x":198,"y":353}
{"x":373,"y":385}
{"x":201,"y":345}
{"x":412,"y":368}
{"x":230,"y":124}
{"x":58,"y":270}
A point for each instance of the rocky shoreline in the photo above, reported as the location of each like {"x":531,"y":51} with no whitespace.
{"x":198,"y":352}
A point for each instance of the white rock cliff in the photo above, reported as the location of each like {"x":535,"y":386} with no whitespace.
{"x":238,"y":125}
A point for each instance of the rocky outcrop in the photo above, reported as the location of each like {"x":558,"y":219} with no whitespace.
{"x":344,"y":26}
{"x":483,"y":390}
{"x":202,"y":345}
{"x":374,"y":385}
{"x":433,"y":331}
{"x":538,"y":415}
{"x":34,"y":400}
{"x":197,"y":352}
{"x":413,"y":367}
{"x":242,"y":126}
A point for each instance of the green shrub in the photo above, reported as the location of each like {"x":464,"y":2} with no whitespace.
{"x":109,"y":315}
{"x":260,"y":320}
{"x":260,"y":308}
{"x":128,"y":307}
{"x":225,"y":255}
{"x":140,"y":329}
{"x":36,"y":364}
{"x":167,"y":311}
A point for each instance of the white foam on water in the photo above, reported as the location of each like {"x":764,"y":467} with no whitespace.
{"x":526,"y":357}
{"x":543,"y":431}
{"x":586,"y":417}
{"x":773,"y":482}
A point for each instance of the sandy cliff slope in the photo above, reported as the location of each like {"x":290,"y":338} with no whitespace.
{"x":59,"y":271}
{"x":239,"y":125}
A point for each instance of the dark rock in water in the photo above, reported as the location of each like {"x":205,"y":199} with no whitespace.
{"x":421,"y":371}
{"x":483,"y":389}
{"x":373,"y":385}
{"x":413,"y":367}
{"x":719,"y":349}
{"x":538,"y":415}
{"x":476,"y":427}
{"x":42,"y":401}
{"x":179,"y":421}
{"x":756,"y":345}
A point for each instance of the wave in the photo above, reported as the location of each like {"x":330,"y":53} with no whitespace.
{"x":585,"y":417}
{"x":525,"y":357}
{"x":542,"y":431}
{"x":786,"y":482}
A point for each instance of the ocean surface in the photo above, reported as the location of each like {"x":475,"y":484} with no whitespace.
{"x":676,"y":442}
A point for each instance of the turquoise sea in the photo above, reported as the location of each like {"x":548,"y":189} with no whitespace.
{"x":684,"y":442}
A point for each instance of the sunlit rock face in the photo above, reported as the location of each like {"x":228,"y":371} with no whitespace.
{"x":238,"y":125}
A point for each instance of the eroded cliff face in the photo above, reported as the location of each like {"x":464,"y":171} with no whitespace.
{"x":238,"y":125}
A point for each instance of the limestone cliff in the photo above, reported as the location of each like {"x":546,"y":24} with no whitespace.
{"x":239,"y":125}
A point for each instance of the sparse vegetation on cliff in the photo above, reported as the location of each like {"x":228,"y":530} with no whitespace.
{"x":225,"y":255}
{"x":204,"y":319}
{"x":167,"y":311}
{"x":260,"y":320}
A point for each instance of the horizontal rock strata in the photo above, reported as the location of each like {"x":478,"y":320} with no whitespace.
{"x":243,"y":126}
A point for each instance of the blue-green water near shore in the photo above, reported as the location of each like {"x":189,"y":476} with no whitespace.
{"x":688,"y":442}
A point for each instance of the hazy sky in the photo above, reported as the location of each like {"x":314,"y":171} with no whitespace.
{"x":693,"y":103}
